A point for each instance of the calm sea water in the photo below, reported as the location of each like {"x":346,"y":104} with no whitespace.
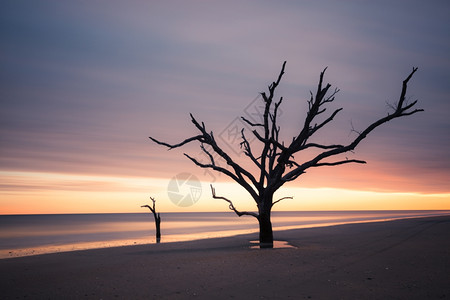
{"x":22,"y":235}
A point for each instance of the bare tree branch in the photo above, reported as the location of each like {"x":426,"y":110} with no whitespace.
{"x":314,"y":145}
{"x":238,"y":178}
{"x":269,"y":141}
{"x":251,"y":123}
{"x":403,"y":93}
{"x":152,"y":208}
{"x":248,"y":150}
{"x":213,"y":166}
{"x":400,"y":112}
{"x":231,"y":206}
{"x":328,"y":120}
{"x":172,"y":146}
{"x":339,"y":163}
{"x":208,"y":138}
{"x":275,"y":202}
{"x":211,"y":157}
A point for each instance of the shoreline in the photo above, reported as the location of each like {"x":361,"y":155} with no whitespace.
{"x":400,"y":259}
{"x":102,"y":244}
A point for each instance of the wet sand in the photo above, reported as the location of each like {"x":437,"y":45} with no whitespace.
{"x":403,"y":259}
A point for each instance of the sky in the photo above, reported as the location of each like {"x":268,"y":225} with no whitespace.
{"x":83,"y":84}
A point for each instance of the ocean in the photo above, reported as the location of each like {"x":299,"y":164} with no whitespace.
{"x":22,"y":235}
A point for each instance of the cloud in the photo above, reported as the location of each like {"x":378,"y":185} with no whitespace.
{"x":84,"y":85}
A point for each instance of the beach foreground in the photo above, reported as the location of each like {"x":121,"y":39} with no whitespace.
{"x":403,"y":259}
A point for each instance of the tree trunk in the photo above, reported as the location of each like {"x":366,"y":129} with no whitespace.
{"x":158,"y":227}
{"x":265,"y":231}
{"x":265,"y":225}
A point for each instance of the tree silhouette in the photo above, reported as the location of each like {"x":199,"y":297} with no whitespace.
{"x":275,"y":162}
{"x":157,"y":218}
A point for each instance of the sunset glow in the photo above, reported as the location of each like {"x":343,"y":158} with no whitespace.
{"x":84,"y":85}
{"x":43,"y":193}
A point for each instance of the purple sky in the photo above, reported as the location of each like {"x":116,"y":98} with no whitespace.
{"x":84,"y":83}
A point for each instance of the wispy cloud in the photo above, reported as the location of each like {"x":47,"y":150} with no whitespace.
{"x":84,"y":85}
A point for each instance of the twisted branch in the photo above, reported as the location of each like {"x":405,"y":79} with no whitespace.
{"x":275,"y":202}
{"x":231,"y":205}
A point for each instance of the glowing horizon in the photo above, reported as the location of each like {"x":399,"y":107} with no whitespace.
{"x":41,"y":193}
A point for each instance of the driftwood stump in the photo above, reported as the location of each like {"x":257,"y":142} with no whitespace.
{"x":157,"y":218}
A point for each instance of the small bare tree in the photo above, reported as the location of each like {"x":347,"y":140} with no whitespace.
{"x":275,"y":163}
{"x":157,"y":218}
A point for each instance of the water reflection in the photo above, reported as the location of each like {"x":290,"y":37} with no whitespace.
{"x":36,"y":234}
{"x":276,"y":245}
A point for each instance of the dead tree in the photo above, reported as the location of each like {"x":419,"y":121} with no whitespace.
{"x":275,"y":163}
{"x":157,"y":218}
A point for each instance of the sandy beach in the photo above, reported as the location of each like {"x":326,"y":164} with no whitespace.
{"x":403,"y":259}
